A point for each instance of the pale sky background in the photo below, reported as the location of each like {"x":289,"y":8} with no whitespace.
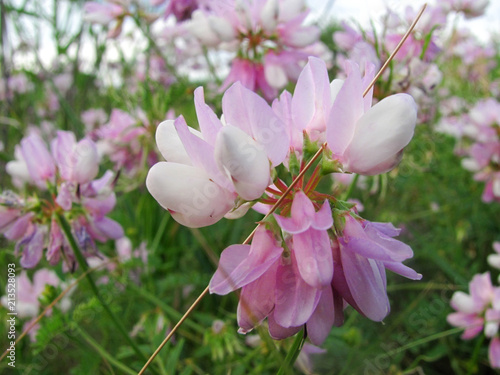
{"x":363,"y":10}
{"x":359,"y":10}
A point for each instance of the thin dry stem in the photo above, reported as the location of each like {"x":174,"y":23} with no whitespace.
{"x":287,"y":191}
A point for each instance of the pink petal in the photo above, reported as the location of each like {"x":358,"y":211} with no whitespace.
{"x":279,"y":332}
{"x":367,"y":284}
{"x":323,"y":219}
{"x":302,"y":214}
{"x":249,"y":112}
{"x":201,"y":154}
{"x":33,"y":250}
{"x":257,"y":300}
{"x":321,"y":321}
{"x":208,"y":121}
{"x":262,"y":255}
{"x":314,"y":257}
{"x":345,"y":112}
{"x":295,"y":299}
{"x":494,"y":352}
{"x":311,"y":98}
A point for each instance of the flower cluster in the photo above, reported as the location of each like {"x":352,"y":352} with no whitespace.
{"x":479,"y":311}
{"x":68,"y":172}
{"x":28,"y":298}
{"x":478,"y":131}
{"x":413,"y":69}
{"x":316,"y":254}
{"x":269,"y":38}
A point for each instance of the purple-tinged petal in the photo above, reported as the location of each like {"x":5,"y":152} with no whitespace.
{"x":65,"y":195}
{"x":481,"y":289}
{"x":494,"y":352}
{"x":33,"y":250}
{"x":7,"y":216}
{"x":279,"y":332}
{"x":262,"y":255}
{"x":314,"y":257}
{"x":321,"y":321}
{"x":295,"y":299}
{"x":403,"y":270}
{"x":366,"y":283}
{"x":369,"y":243}
{"x":345,"y":112}
{"x":86,"y":161}
{"x":100,"y":206}
{"x":38,"y":159}
{"x":20,"y":227}
{"x":323,"y":219}
{"x":386,"y":228}
{"x":251,"y":113}
{"x":473,"y":324}
{"x":109,"y":228}
{"x":62,"y":150}
{"x":209,"y":123}
{"x":231,"y":257}
{"x":257,"y":300}
{"x":302,"y":214}
{"x":55,"y":243}
{"x":311,"y":98}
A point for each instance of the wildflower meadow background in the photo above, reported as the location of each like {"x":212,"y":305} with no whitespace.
{"x":323,"y":193}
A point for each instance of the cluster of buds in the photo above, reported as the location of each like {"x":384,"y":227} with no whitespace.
{"x":314,"y":254}
{"x":66,"y":177}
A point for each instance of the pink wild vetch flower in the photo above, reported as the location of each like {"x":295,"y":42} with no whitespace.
{"x":206,"y":171}
{"x":269,"y":38}
{"x":309,"y":275}
{"x":479,"y":311}
{"x":68,"y":173}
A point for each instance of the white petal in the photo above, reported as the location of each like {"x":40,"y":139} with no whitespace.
{"x":244,"y":161}
{"x":381,"y":134}
{"x":192,"y":198}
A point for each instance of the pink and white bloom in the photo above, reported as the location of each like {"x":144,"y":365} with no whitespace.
{"x":205,"y":171}
{"x":369,"y":140}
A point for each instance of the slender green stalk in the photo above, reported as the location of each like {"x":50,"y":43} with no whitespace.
{"x":293,"y":353}
{"x":103,"y":353}
{"x":351,"y":187}
{"x":63,"y":223}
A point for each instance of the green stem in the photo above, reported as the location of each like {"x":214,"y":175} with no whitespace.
{"x":293,"y":353}
{"x":351,"y":187}
{"x":103,"y":353}
{"x":63,"y":223}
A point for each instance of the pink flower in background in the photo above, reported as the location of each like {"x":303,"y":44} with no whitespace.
{"x":69,"y":173}
{"x":123,"y":140}
{"x":470,"y":8}
{"x":27,"y":302}
{"x":269,"y":38}
{"x":479,"y":311}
